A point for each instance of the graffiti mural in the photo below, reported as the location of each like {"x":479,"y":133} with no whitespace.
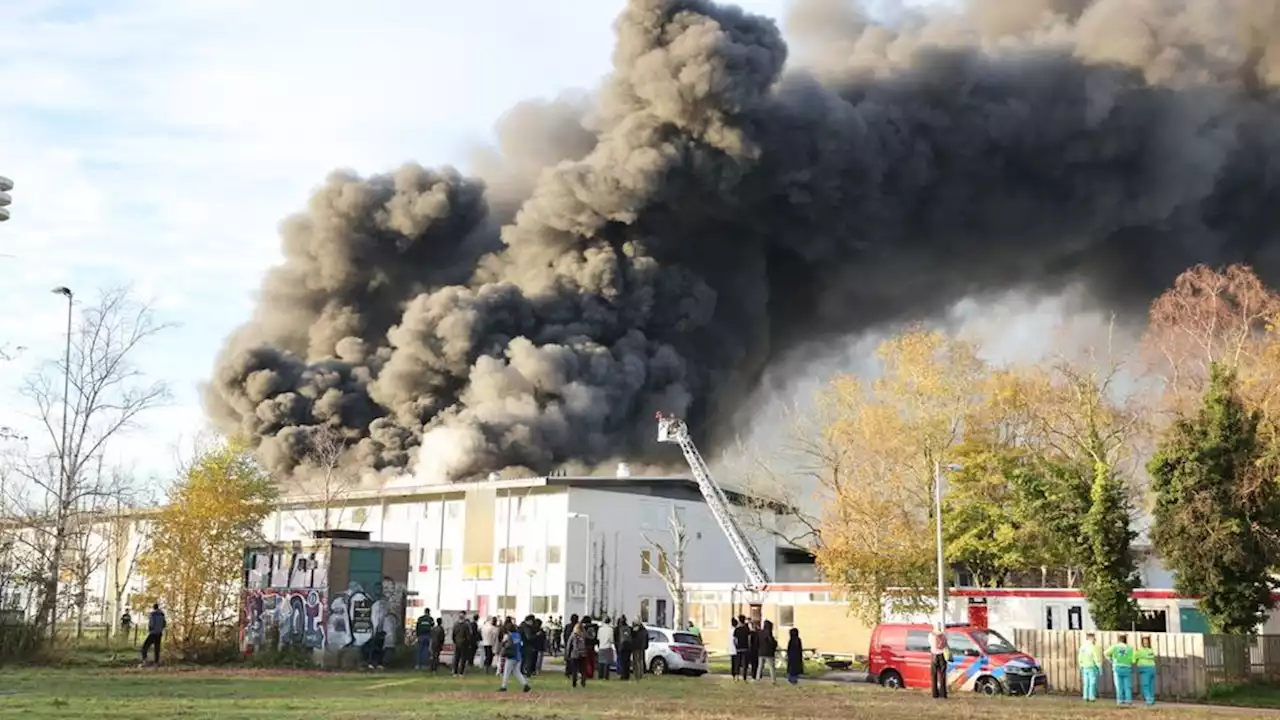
{"x":292,"y":616}
{"x":307,"y":618}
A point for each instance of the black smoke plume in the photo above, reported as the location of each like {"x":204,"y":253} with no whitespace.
{"x":657,"y":245}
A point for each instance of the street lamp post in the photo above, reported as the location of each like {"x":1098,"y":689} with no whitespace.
{"x":937,"y":515}
{"x":65,"y":481}
{"x":586,"y":565}
{"x":5,"y":186}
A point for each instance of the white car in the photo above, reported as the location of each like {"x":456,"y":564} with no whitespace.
{"x":675,"y":651}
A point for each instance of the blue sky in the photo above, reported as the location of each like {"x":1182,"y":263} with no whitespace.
{"x":160,"y":143}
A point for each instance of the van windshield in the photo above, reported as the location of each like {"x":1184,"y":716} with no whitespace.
{"x":994,"y":642}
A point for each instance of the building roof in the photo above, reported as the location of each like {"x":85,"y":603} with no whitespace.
{"x":644,"y":485}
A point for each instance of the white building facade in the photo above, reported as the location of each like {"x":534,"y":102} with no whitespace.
{"x":547,"y":546}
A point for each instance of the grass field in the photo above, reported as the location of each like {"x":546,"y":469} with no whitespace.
{"x":231,"y":694}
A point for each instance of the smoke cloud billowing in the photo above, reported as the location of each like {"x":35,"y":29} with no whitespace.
{"x":657,"y":245}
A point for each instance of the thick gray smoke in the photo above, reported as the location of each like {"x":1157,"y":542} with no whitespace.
{"x":657,"y":245}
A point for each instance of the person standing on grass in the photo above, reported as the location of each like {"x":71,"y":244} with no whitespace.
{"x":622,"y":635}
{"x":592,"y":633}
{"x":742,"y":641}
{"x":938,"y":666}
{"x":767,"y":651}
{"x":461,"y":636}
{"x":568,"y":630}
{"x":488,"y":639}
{"x":1090,"y":660}
{"x":753,"y":651}
{"x":734,"y":657}
{"x":1121,"y":657}
{"x":604,"y":651}
{"x":639,"y":646}
{"x":512,"y":655}
{"x":795,"y":657}
{"x":437,"y":643}
{"x":155,"y":633}
{"x":528,"y":651}
{"x":540,"y":645}
{"x":575,"y":655}
{"x":422,"y":631}
{"x":1145,"y":660}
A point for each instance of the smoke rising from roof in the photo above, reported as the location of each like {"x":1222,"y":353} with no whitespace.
{"x":657,"y":245}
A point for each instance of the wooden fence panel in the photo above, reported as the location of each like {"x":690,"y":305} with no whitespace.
{"x":1180,"y":661}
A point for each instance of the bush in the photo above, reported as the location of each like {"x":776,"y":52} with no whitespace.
{"x":19,"y":642}
{"x":288,"y":656}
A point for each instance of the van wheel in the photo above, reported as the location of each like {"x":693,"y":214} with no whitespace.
{"x":990,"y":686}
{"x":891,"y":679}
{"x":658,"y":666}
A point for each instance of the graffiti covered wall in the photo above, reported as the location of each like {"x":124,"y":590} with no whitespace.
{"x":323,"y":599}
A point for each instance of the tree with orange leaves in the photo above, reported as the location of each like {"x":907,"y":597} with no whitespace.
{"x":885,"y":438}
{"x":1209,"y":316}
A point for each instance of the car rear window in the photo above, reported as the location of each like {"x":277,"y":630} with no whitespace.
{"x":686,"y":639}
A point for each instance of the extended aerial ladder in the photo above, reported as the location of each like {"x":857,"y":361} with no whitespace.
{"x":673,"y":430}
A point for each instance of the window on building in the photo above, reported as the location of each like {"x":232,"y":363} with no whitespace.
{"x":444,"y":559}
{"x":453,"y":509}
{"x":662,"y":563}
{"x":917,"y":641}
{"x":711,"y":617}
{"x":787,"y":615}
{"x":511,"y":555}
{"x":546,"y":604}
{"x":645,"y":564}
{"x":819,"y":597}
{"x":507,"y":603}
{"x":553,"y":554}
{"x":644,"y":609}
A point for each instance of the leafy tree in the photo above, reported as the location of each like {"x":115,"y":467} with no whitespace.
{"x":1110,"y":571}
{"x":1054,"y":497}
{"x":986,"y":529}
{"x":879,"y":544}
{"x":1217,"y":514}
{"x":1083,"y":421}
{"x":196,"y":557}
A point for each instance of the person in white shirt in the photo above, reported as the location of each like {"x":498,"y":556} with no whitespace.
{"x":488,"y":640}
{"x":604,"y":651}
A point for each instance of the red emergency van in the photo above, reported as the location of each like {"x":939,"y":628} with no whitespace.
{"x":982,"y":660}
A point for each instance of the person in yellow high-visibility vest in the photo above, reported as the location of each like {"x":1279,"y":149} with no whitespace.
{"x":1145,"y":659}
{"x":1090,"y":660}
{"x":1121,"y":657}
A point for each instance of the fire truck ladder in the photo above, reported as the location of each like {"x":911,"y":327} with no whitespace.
{"x":673,"y":430}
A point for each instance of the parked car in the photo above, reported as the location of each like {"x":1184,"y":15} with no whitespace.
{"x":675,"y":651}
{"x":982,"y":660}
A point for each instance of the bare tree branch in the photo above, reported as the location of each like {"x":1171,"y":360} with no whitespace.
{"x":671,"y":557}
{"x":106,"y":395}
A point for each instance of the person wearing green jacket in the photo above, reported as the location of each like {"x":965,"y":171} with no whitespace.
{"x":1090,"y":659}
{"x":1121,"y":657}
{"x":1145,"y":659}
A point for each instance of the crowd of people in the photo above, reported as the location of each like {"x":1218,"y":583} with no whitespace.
{"x":753,"y":648}
{"x":589,"y":648}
